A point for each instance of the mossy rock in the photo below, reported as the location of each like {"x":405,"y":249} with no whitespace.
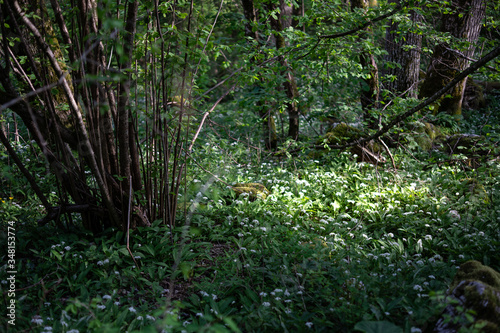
{"x":253,"y":190}
{"x":428,"y":135}
{"x":424,"y":142}
{"x":474,"y":270}
{"x":341,"y":133}
{"x":433,"y":131}
{"x":473,"y":96}
{"x":466,"y":144}
{"x":474,"y":290}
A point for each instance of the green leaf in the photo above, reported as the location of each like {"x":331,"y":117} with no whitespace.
{"x":231,"y":324}
{"x":377,"y":327}
{"x":124,"y":251}
{"x":56,"y":254}
{"x":149,"y":249}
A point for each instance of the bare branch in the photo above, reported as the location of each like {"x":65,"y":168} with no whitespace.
{"x":75,"y":109}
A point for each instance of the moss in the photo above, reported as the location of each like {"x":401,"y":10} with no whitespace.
{"x":434,"y":133}
{"x":427,"y":135}
{"x":463,"y":143}
{"x":424,"y":142}
{"x":475,"y":290}
{"x":254,"y":190}
{"x":342,"y":133}
{"x":474,"y":270}
{"x":473,"y":95}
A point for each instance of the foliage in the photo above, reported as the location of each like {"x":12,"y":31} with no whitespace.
{"x":336,"y":245}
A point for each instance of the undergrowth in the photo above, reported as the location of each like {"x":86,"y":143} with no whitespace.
{"x":336,"y":243}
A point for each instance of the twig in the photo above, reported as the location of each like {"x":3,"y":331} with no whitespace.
{"x":388,"y":152}
{"x":24,"y":171}
{"x":206,"y":42}
{"x":206,"y":115}
{"x":201,"y":167}
{"x":31,"y":286}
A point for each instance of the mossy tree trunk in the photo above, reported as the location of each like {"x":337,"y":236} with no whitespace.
{"x":463,"y":22}
{"x":370,"y":87}
{"x":403,"y":55}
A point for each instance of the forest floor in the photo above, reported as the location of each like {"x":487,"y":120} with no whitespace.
{"x":336,"y":243}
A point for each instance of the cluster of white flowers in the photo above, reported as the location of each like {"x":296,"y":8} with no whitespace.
{"x":103,"y":262}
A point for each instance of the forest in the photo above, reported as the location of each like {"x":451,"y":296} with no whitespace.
{"x":250,"y":166}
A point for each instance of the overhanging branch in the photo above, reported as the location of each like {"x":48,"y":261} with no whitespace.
{"x":396,"y":9}
{"x":352,"y":31}
{"x":471,"y":69}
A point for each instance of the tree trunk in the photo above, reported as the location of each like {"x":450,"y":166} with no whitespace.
{"x":265,"y":113}
{"x":290,"y":85}
{"x":463,"y":23}
{"x":403,"y":49}
{"x":63,"y":133}
{"x":54,"y":126}
{"x":370,"y":88}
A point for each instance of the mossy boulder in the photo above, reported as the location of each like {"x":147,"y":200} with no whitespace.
{"x":473,"y":96}
{"x":474,"y":293}
{"x":342,"y":133}
{"x":427,"y":135}
{"x":466,"y":144}
{"x":474,"y":270}
{"x":252,"y":190}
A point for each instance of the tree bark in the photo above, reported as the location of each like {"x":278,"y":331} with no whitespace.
{"x":124,"y":140}
{"x":403,"y":49}
{"x":464,"y":24}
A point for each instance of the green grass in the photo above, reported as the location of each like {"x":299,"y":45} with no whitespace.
{"x":336,"y":243}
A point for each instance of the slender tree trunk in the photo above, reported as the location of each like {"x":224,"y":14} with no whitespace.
{"x":290,"y":85}
{"x":123,"y":100}
{"x":403,"y":49}
{"x":265,"y":113}
{"x":370,"y":89}
{"x":463,"y":23}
